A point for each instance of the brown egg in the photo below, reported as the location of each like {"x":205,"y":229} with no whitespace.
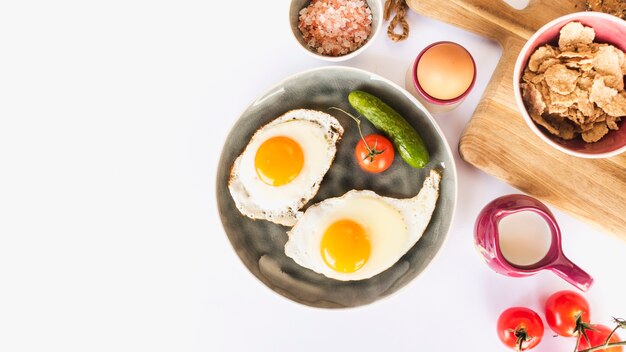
{"x":445,"y":71}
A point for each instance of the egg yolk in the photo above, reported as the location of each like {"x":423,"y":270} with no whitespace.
{"x":278,"y":161}
{"x":345,"y":246}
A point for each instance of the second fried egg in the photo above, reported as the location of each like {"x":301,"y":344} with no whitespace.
{"x":361,"y":234}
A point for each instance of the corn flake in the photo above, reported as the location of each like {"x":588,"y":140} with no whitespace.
{"x":533,"y":98}
{"x":573,"y":34}
{"x":594,"y":134}
{"x":560,"y":79}
{"x":540,"y":55}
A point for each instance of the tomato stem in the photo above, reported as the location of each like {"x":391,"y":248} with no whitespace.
{"x":582,"y":327}
{"x":621,"y":323}
{"x":577,"y":343}
{"x":581,"y":330}
{"x":522,"y":336}
{"x":605,"y":346}
{"x":371,"y":152}
{"x":608,"y":338}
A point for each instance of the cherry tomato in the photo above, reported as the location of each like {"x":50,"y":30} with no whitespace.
{"x":376,"y":156}
{"x":564,"y":309}
{"x":520,"y":328}
{"x":597,"y":337}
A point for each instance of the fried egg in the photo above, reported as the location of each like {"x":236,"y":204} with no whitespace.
{"x":283,"y":165}
{"x":361,"y":234}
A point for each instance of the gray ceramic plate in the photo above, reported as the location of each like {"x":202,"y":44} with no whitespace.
{"x":260,"y":244}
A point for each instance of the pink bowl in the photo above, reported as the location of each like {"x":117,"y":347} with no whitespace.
{"x":609,"y":29}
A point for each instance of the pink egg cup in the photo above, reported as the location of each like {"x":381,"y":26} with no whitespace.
{"x":609,"y":29}
{"x":486,"y":238}
{"x":433,"y":104}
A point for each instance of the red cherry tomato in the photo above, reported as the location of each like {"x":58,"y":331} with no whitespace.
{"x":563,"y":309}
{"x":376,"y":156}
{"x":597,"y":337}
{"x":520,"y":328}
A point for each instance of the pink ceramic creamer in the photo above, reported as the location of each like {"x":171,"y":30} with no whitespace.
{"x":486,"y":237}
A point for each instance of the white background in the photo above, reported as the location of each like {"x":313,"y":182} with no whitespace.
{"x":112,"y":118}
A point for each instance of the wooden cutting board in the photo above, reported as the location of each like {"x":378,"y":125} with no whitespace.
{"x":497,"y":140}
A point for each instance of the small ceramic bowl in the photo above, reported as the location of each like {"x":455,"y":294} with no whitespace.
{"x":412,"y":83}
{"x":294,"y":13}
{"x":609,"y":29}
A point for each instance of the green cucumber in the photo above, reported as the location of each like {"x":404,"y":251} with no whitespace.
{"x":407,"y":141}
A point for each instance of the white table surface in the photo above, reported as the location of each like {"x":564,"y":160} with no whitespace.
{"x":112,"y":118}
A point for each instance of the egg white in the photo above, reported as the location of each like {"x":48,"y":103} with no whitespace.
{"x":393,"y":227}
{"x":317,"y":133}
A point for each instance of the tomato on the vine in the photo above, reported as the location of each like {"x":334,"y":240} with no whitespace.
{"x":567,"y":312}
{"x":374,"y":153}
{"x":520,"y":328}
{"x":597,"y":336}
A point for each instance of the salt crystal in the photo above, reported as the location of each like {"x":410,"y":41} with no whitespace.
{"x":338,"y":26}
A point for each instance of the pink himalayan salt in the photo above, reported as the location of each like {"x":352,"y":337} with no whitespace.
{"x":335,"y":27}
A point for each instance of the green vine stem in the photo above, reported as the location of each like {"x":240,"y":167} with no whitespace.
{"x":372,"y":152}
{"x":604,"y":346}
{"x":582,"y":327}
{"x":608,"y":338}
{"x":577,"y":343}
